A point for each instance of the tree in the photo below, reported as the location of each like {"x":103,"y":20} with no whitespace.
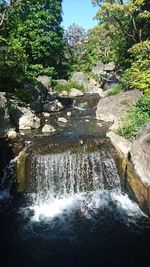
{"x":35,"y":25}
{"x":128,"y":23}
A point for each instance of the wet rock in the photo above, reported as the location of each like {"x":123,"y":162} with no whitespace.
{"x":21,"y":171}
{"x":75,"y":92}
{"x":45,"y":114}
{"x":53,"y":106}
{"x":4,"y":114}
{"x":69,"y":114}
{"x":24,"y":118}
{"x":62,"y":119}
{"x":48,"y":129}
{"x":112,"y":108}
{"x":81,"y":79}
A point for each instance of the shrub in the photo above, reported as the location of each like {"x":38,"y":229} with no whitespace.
{"x":115,"y":90}
{"x":137,"y":117}
{"x":59,"y":87}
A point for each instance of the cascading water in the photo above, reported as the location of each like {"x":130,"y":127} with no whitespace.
{"x":73,"y":212}
{"x":59,"y":175}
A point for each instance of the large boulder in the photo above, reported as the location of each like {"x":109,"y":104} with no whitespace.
{"x":138,"y":171}
{"x":45,"y":81}
{"x":113,"y":108}
{"x":140,"y":154}
{"x":4,"y":114}
{"x":24,"y":118}
{"x":134,"y":166}
{"x":80,"y":78}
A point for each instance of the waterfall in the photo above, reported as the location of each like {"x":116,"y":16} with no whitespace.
{"x":68,"y":173}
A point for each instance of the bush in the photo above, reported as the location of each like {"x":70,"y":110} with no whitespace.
{"x":137,"y":117}
{"x":59,"y":87}
{"x":115,"y":90}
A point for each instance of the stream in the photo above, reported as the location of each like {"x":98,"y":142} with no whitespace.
{"x":73,"y":212}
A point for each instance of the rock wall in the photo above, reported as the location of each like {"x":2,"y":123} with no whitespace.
{"x":134,"y":166}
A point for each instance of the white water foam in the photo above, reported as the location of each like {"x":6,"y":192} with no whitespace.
{"x":87,"y":205}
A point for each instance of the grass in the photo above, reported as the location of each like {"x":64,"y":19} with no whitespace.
{"x":59,"y":87}
{"x":115,"y":90}
{"x":138,"y":115}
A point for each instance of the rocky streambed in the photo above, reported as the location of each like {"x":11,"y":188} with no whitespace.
{"x":68,"y":205}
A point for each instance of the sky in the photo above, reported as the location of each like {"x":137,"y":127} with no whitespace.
{"x":80,"y":12}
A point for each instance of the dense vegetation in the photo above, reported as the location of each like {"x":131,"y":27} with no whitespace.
{"x":33,"y":42}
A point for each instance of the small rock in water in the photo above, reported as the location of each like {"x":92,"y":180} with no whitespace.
{"x":48,"y":129}
{"x":81,"y":142}
{"x":46,"y":114}
{"x":99,"y":124}
{"x":87,"y":120}
{"x":11,"y":135}
{"x":62,"y":119}
{"x":69,"y":113}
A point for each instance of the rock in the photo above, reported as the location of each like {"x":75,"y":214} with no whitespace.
{"x":69,"y":114}
{"x":53,"y":106}
{"x":134,"y":166}
{"x":48,"y":129}
{"x":111,"y":66}
{"x":45,"y":80}
{"x":75,"y":92}
{"x":21,"y":171}
{"x":11,"y":134}
{"x":24,"y":118}
{"x":34,"y":94}
{"x":99,"y":68}
{"x":92,"y":83}
{"x":138,"y":170}
{"x":140,"y":155}
{"x":96,"y":90}
{"x":99,"y":124}
{"x":4,"y":114}
{"x":122,"y":145}
{"x":45,"y":114}
{"x":112,"y":108}
{"x":62,"y":119}
{"x":64,"y":93}
{"x":80,"y":78}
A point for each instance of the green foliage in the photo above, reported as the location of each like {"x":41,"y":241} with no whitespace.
{"x":137,"y":117}
{"x":138,"y":75}
{"x":115,"y":90}
{"x":13,"y":65}
{"x":59,"y":87}
{"x":31,"y":41}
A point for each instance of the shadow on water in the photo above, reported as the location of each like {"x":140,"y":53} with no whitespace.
{"x":73,"y":212}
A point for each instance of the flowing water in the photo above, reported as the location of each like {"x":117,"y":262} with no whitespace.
{"x":73,"y":211}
